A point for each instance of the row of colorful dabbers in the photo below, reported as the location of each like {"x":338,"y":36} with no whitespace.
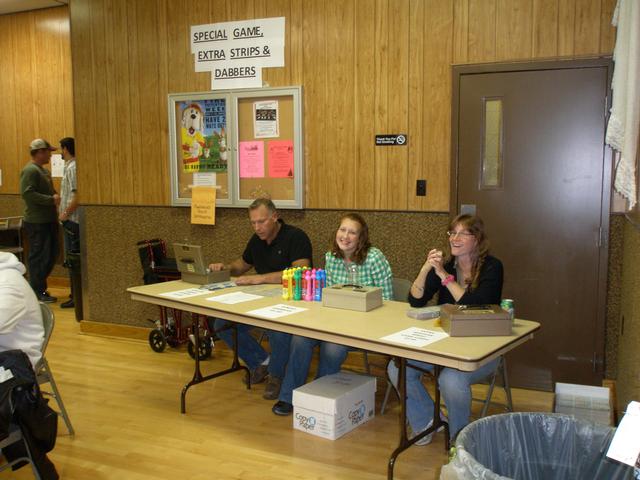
{"x":303,"y":283}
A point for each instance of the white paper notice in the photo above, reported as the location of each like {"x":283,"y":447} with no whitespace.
{"x":234,"y":297}
{"x":57,"y":165}
{"x":204,"y":179}
{"x":189,"y":292}
{"x":625,"y":446}
{"x":265,"y":119}
{"x":415,"y":337}
{"x":276,"y":311}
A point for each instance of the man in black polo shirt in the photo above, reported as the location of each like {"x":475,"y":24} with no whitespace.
{"x":274,"y":247}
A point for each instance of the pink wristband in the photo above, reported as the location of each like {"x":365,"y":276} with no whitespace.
{"x":447,"y":280}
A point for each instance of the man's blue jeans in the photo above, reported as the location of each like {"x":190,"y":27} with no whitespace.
{"x":455,"y":387}
{"x":252,"y":353}
{"x":43,"y":250}
{"x":332,"y":357}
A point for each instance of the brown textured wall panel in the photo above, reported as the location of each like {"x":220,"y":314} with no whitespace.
{"x":113,"y":264}
{"x":628,"y":371}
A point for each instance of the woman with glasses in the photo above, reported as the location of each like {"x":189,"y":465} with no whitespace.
{"x":467,"y":275}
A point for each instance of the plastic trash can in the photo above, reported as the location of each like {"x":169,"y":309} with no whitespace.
{"x":75,"y":270}
{"x":534,"y":446}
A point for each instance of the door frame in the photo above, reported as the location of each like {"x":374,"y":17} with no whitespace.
{"x":607,"y":174}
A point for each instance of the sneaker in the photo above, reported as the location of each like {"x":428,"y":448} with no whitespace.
{"x":258,"y":375}
{"x":272,"y":390}
{"x":282,"y":408}
{"x":426,"y":440}
{"x":68,"y":304}
{"x":46,"y":298}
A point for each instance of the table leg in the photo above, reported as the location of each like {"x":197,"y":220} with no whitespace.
{"x":405,"y":442}
{"x":197,"y":374}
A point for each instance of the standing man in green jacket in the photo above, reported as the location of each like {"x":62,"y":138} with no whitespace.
{"x":40,"y":217}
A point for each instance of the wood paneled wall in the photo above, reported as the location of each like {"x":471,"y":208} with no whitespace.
{"x":367,"y":67}
{"x":35,"y":86}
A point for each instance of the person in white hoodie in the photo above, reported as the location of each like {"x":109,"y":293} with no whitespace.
{"x":20,"y":316}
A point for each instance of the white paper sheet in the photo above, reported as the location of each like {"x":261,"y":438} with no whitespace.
{"x":57,"y":165}
{"x":415,"y":337}
{"x":218,"y":286}
{"x":186,"y":293}
{"x":234,"y":297}
{"x":204,"y":179}
{"x":625,"y":446}
{"x":276,"y":311}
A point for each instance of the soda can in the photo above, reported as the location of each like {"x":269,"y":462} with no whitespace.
{"x":508,"y":305}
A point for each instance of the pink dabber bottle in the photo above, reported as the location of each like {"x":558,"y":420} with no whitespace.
{"x":308,"y":295}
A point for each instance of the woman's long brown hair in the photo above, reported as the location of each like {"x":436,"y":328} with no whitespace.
{"x":360,"y":253}
{"x":475,"y":226}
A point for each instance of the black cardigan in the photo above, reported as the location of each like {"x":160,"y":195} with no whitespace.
{"x":488,"y":291}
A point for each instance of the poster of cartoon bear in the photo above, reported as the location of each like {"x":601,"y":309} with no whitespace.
{"x":203,"y":139}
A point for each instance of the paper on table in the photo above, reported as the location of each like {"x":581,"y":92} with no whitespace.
{"x":234,"y":297}
{"x":189,"y":292}
{"x":57,"y":165}
{"x":276,"y":311}
{"x":251,"y":159}
{"x":625,"y":446}
{"x":415,"y":337}
{"x":218,"y":285}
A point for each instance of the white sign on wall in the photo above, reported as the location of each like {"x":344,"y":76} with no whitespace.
{"x":235,"y":52}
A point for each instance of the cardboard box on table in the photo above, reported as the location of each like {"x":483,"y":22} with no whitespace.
{"x":352,"y":297}
{"x":475,"y":320}
{"x":335,"y":404}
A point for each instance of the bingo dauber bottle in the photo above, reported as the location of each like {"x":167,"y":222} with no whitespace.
{"x":318,"y":285}
{"x":286,"y":291}
{"x":297,"y":276}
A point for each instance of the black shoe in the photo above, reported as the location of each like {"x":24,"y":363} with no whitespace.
{"x":282,"y":408}
{"x":68,"y":304}
{"x":46,"y":298}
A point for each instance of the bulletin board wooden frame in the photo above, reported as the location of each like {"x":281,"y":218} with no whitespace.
{"x":282,"y":149}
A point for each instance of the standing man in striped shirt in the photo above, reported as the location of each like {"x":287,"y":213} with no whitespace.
{"x":68,"y":208}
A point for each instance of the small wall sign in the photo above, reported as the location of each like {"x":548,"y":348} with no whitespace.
{"x":390,"y":139}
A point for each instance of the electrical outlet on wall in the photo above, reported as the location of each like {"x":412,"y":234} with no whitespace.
{"x":421,"y":188}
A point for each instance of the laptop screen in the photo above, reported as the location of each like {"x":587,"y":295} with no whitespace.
{"x":189,"y":258}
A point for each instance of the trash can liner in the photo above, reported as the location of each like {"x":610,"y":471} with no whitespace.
{"x":534,"y":446}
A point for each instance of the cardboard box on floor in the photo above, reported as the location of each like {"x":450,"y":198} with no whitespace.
{"x":584,"y":402}
{"x":335,"y":404}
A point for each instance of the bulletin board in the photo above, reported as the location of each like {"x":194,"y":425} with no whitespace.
{"x":199,"y":145}
{"x":249,"y":145}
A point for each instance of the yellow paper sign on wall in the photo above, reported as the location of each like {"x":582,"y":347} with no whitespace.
{"x":203,"y":205}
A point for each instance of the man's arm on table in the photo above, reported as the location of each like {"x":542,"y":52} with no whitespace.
{"x":273,"y":277}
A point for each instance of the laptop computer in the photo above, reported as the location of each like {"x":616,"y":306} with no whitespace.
{"x":192,"y":267}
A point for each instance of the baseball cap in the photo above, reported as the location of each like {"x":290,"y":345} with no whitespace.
{"x":39,"y":144}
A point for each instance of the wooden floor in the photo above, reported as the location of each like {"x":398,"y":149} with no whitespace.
{"x":123,"y":400}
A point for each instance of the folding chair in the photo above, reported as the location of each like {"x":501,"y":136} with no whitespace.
{"x":401,"y":288}
{"x":500,"y":371}
{"x":15,"y":435}
{"x":43,"y":371}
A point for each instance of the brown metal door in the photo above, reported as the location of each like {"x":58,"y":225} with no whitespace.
{"x":548,"y":218}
